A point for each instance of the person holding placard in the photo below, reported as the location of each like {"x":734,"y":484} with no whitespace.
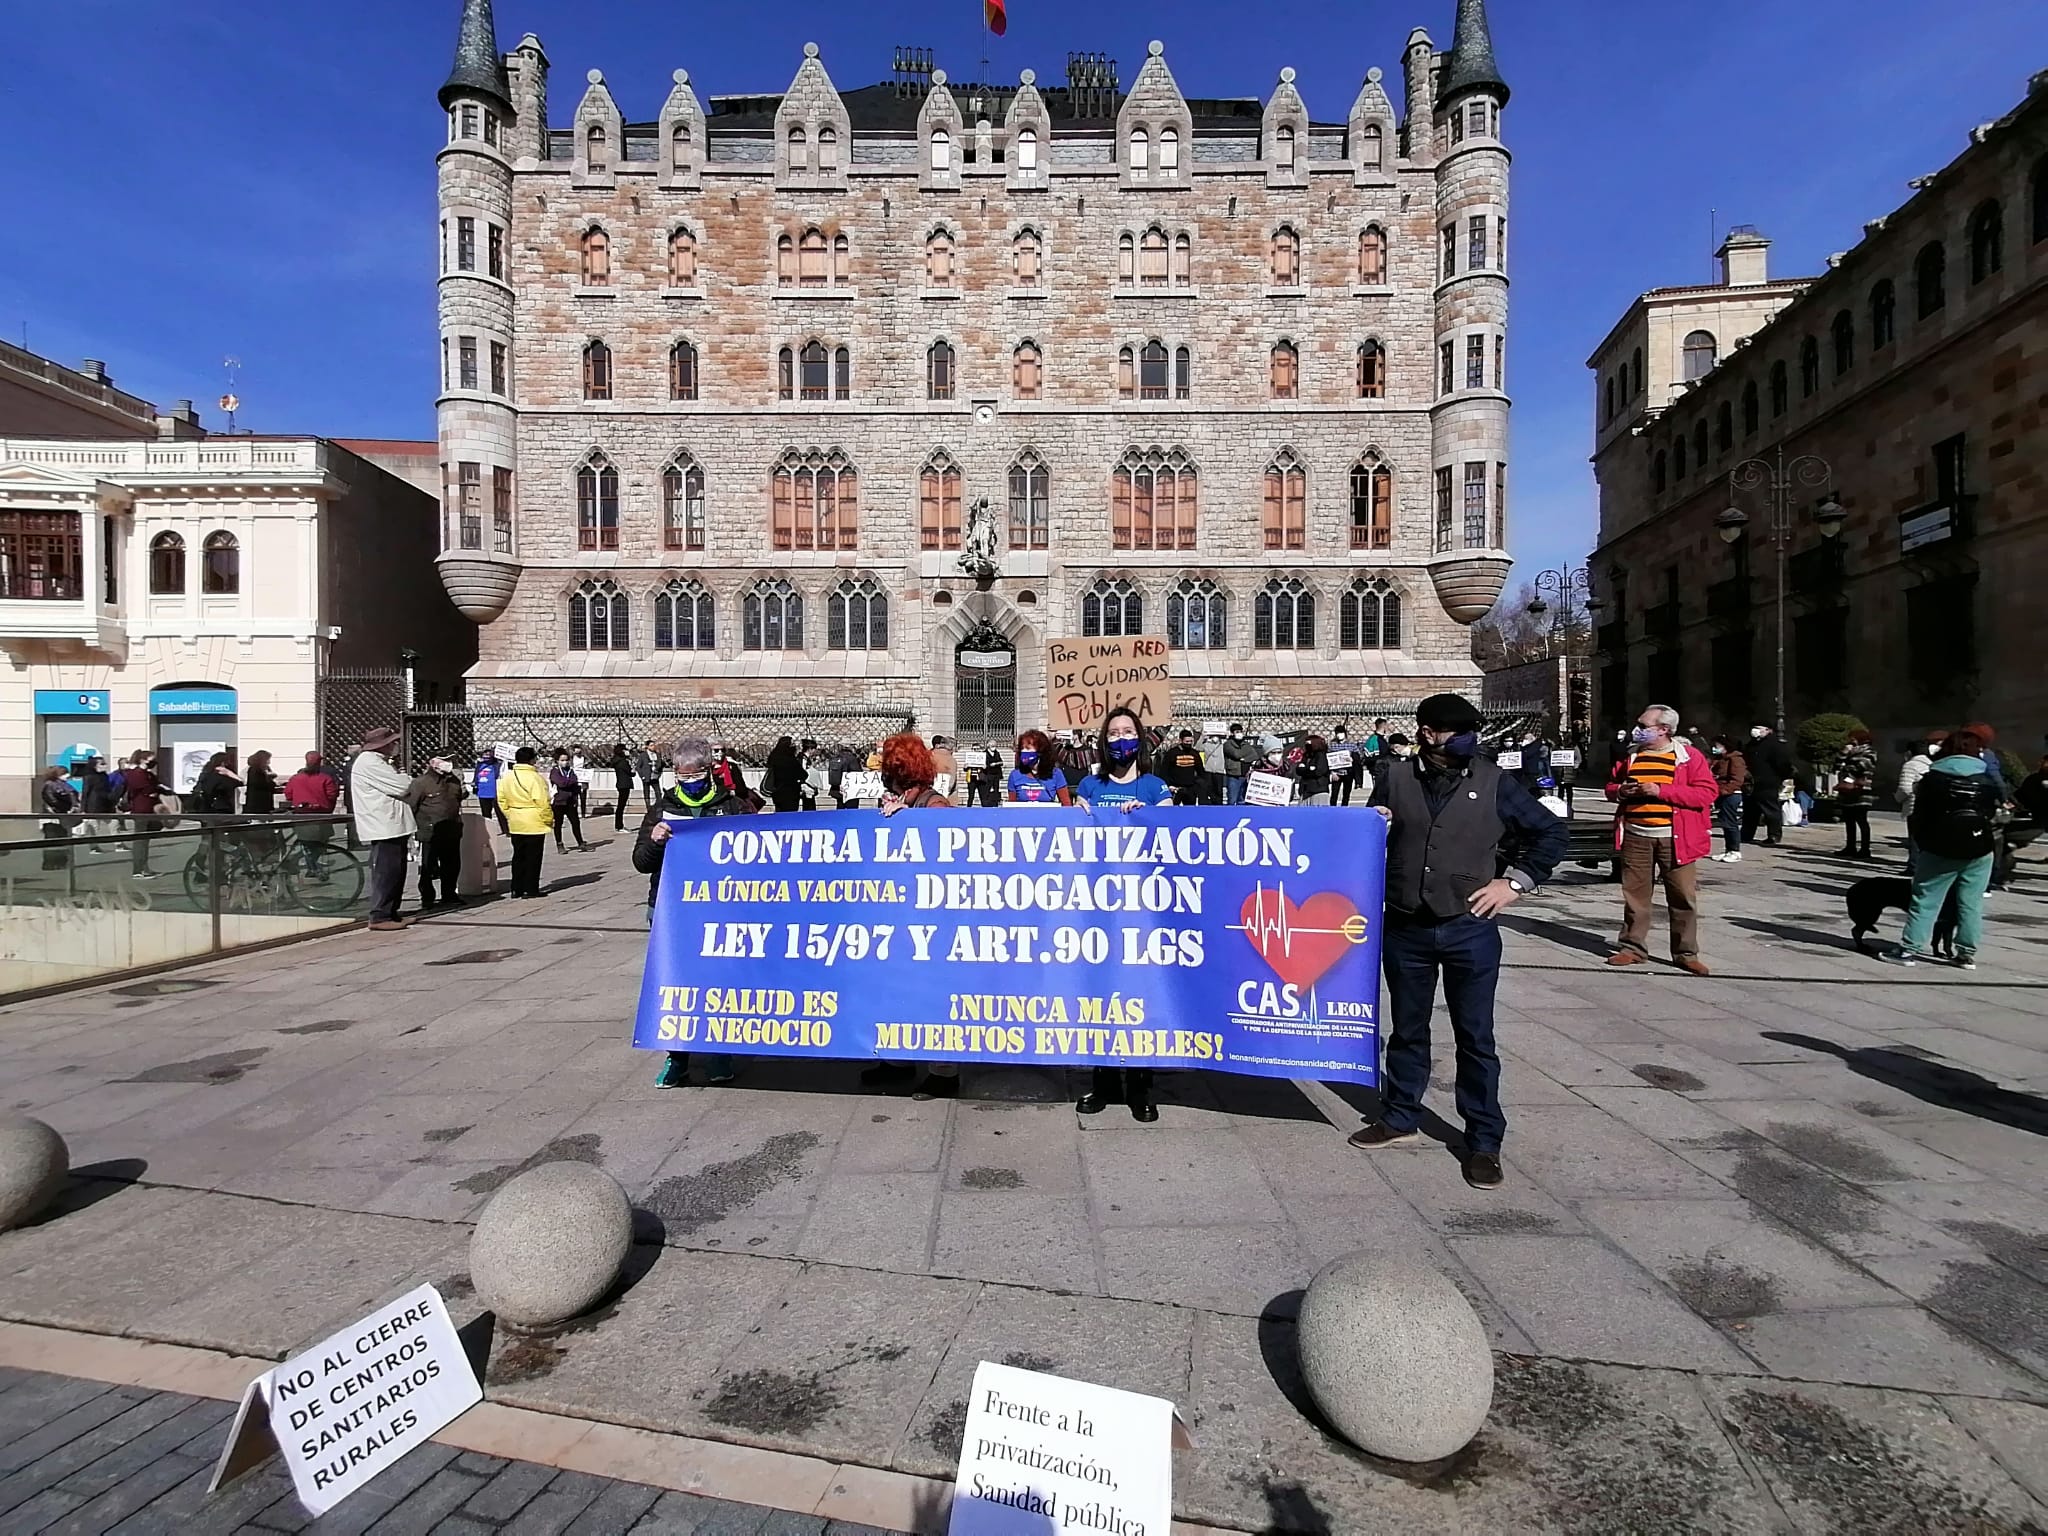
{"x":1124,"y":782}
{"x":909,"y":769}
{"x":696,"y":794}
{"x":1038,"y":778}
{"x":1312,"y":773}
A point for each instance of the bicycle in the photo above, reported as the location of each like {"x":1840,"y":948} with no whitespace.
{"x":279,"y":862}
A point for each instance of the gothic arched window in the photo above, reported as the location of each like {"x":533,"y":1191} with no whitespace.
{"x":1286,"y":258}
{"x":938,"y":503}
{"x":1372,"y":371}
{"x":1372,"y":257}
{"x":814,"y":501}
{"x":772,"y":617}
{"x":597,"y":371}
{"x":682,"y":259}
{"x":1369,"y":616}
{"x":940,"y":371}
{"x":938,"y":259}
{"x":1027,"y":253}
{"x":1372,"y":504}
{"x":597,"y":259}
{"x":1153,"y":501}
{"x":1112,"y":607}
{"x":597,"y":504}
{"x":600,"y":618}
{"x":1284,"y":371}
{"x":1030,"y":502}
{"x":1284,"y":515}
{"x":682,"y":504}
{"x":1284,"y":616}
{"x":1027,"y":371}
{"x":857,"y":616}
{"x":682,"y":371}
{"x":1197,"y":616}
{"x":684,"y":617}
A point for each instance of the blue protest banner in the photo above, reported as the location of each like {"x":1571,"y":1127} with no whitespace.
{"x":1163,"y":938}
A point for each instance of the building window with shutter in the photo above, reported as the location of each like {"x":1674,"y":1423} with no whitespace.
{"x":597,"y":504}
{"x":682,"y":504}
{"x":1283,"y":517}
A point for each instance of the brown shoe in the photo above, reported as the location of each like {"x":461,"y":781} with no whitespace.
{"x":391,"y":927}
{"x":1691,"y":965}
{"x":1625,"y":957}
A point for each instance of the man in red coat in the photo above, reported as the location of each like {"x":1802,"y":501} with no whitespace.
{"x":1664,"y":795}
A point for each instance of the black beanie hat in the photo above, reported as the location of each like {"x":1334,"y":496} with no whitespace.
{"x":1448,"y":712}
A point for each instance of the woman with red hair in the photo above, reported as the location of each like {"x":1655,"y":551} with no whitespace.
{"x":907,"y":774}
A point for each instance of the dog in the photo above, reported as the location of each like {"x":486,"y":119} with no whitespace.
{"x":1868,"y":899}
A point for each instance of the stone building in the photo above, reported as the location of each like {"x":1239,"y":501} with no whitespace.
{"x":727,"y":392}
{"x":1906,"y":382}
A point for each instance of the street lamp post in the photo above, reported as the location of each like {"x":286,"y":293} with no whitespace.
{"x":1564,"y":584}
{"x":1777,"y":477}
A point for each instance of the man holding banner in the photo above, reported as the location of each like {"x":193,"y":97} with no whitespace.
{"x":1464,"y":842}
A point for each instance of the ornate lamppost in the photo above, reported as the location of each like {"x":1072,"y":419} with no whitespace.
{"x":1778,"y":477}
{"x":1571,"y":587}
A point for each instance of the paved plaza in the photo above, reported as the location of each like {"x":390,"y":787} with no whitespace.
{"x":1772,"y":1253}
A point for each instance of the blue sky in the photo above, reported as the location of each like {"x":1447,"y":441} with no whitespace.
{"x":226,"y":177}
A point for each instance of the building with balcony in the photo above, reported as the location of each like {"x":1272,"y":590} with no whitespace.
{"x":188,"y":595}
{"x":1906,"y":382}
{"x":726,"y":387}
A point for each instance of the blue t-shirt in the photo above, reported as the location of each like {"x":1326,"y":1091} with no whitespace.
{"x":487,"y":781}
{"x":1145,"y":789}
{"x":1033,"y":790}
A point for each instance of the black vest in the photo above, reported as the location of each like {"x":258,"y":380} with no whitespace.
{"x":1434,"y":863}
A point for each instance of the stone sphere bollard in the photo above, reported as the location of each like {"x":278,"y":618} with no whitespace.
{"x":34,"y":1163}
{"x":550,"y":1243}
{"x":1395,"y":1357}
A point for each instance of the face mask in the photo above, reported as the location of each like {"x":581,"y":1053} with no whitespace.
{"x":1027,"y":759}
{"x":1236,"y":735}
{"x":1461,"y":747}
{"x":1643,"y":735}
{"x":1756,"y":733}
{"x":1120,"y":749}
{"x":1720,"y":751}
{"x":695,"y":786}
{"x":1340,"y":735}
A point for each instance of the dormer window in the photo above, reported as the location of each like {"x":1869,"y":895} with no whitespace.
{"x":1141,"y":151}
{"x":942,"y":150}
{"x":1372,"y":148}
{"x":799,"y":150}
{"x":679,"y":143}
{"x":1169,"y":152}
{"x":828,"y":149}
{"x":596,"y":151}
{"x":1027,"y":150}
{"x":1283,"y":149}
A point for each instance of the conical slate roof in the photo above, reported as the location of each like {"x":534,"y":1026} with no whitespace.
{"x":479,"y":67}
{"x":1471,"y":62}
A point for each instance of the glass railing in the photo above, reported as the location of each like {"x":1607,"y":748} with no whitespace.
{"x":90,"y":897}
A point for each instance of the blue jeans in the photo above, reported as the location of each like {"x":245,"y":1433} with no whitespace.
{"x":1729,"y":809}
{"x":1233,"y":791}
{"x":1932,"y":877}
{"x":1466,"y":952}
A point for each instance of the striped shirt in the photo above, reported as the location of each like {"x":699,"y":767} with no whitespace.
{"x":1650,"y":818}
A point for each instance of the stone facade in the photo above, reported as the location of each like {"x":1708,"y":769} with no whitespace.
{"x":987,"y":172}
{"x":1922,"y":416}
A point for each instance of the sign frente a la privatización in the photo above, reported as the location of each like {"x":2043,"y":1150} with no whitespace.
{"x":358,"y":1401}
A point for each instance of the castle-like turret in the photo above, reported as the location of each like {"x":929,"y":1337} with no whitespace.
{"x":1469,"y":422}
{"x":479,"y":560}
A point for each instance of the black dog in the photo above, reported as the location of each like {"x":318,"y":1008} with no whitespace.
{"x":1868,"y":899}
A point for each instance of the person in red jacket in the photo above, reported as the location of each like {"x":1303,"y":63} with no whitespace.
{"x":1664,"y":795}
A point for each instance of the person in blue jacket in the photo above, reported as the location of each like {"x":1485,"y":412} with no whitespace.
{"x":487,"y":768}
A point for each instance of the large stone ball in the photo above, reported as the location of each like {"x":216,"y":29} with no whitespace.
{"x":34,"y":1164}
{"x":550,"y":1243}
{"x":1395,"y":1357}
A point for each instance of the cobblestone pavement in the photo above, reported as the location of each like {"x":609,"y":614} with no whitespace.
{"x":81,"y":1458}
{"x":1773,"y":1245}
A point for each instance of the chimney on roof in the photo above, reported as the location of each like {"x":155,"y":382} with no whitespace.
{"x":180,"y":421}
{"x":1744,"y":258}
{"x":95,"y":370}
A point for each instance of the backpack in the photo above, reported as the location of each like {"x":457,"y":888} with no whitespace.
{"x":1954,"y":815}
{"x":117,"y":784}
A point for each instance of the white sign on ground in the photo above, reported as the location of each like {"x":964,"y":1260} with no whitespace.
{"x":355,"y":1403}
{"x":1268,"y":789}
{"x":1044,"y":1456}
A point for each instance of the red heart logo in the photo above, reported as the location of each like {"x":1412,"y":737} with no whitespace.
{"x":1301,"y":942}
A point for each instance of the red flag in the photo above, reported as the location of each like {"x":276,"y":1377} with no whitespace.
{"x":995,"y":17}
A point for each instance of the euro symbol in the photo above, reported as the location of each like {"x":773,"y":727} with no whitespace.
{"x":1353,"y":928}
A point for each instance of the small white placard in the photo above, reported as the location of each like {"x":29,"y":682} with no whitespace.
{"x":355,"y":1403}
{"x":1268,"y":789}
{"x":1045,"y":1456}
{"x":860,"y":786}
{"x":1340,"y":760}
{"x":1215,"y":728}
{"x":1564,"y":757}
{"x":942,"y":786}
{"x":971,"y":757}
{"x":1510,"y":760}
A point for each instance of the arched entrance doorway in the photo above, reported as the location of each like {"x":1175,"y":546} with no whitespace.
{"x":985,"y":684}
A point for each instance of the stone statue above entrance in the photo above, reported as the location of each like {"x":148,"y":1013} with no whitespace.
{"x":980,"y":543}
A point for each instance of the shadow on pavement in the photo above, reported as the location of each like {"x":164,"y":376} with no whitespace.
{"x":90,"y":1184}
{"x":569,"y":882}
{"x":1816,"y":937}
{"x":1557,"y":933}
{"x":1932,"y":1082}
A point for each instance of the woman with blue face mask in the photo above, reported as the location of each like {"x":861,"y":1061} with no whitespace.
{"x":1038,"y":777}
{"x":1123,"y":780}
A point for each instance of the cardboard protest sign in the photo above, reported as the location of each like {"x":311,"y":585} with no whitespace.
{"x":1044,"y":1456}
{"x":1085,"y":679}
{"x":1268,"y":789}
{"x":356,"y":1402}
{"x":860,"y":786}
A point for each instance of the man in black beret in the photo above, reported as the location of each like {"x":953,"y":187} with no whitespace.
{"x":1464,"y":841}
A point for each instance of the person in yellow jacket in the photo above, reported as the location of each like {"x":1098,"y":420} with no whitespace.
{"x":525,"y":801}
